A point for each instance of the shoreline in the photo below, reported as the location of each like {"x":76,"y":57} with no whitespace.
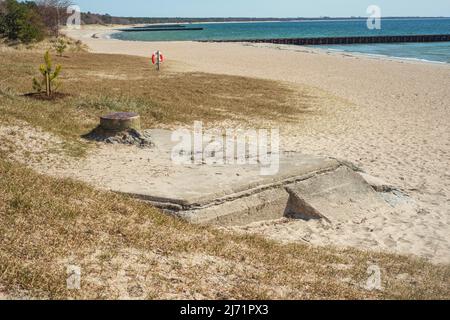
{"x":338,"y":52}
{"x":325,"y":50}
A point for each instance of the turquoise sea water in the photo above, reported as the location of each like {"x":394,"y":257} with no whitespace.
{"x":439,"y":52}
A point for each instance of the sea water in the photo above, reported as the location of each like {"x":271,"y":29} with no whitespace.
{"x":438,"y":52}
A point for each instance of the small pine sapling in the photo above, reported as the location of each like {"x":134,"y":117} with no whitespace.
{"x":60,"y":46}
{"x":49,"y":77}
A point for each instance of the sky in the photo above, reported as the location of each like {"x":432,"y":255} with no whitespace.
{"x":263,"y":8}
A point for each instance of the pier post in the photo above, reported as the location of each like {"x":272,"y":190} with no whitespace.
{"x":158,"y":60}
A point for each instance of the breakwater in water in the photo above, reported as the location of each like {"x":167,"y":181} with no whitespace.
{"x":156,"y":28}
{"x":347,"y":40}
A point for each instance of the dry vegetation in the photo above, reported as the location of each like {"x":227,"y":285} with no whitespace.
{"x":95,"y":84}
{"x":128,"y":249}
{"x":48,"y":223}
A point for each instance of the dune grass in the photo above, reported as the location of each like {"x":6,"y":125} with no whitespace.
{"x":127,"y":249}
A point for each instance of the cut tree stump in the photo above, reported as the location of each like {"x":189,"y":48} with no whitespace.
{"x":120,"y":121}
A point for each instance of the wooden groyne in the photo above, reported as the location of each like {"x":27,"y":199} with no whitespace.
{"x":347,"y":40}
{"x":160,"y":29}
{"x":165,"y":26}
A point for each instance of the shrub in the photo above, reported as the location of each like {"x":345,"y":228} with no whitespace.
{"x":20,"y":21}
{"x":49,"y":77}
{"x":53,"y":13}
{"x":60,"y":46}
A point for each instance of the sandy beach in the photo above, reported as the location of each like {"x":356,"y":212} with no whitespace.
{"x":393,"y":123}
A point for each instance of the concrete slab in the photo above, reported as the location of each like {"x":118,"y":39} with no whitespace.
{"x":238,"y":194}
{"x":336,"y":196}
{"x":199,"y":185}
{"x":376,"y":183}
{"x":224,"y":194}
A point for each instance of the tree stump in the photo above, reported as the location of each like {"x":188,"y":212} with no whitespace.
{"x":120,"y":121}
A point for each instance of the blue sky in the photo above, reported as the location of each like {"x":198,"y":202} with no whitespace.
{"x":263,"y":8}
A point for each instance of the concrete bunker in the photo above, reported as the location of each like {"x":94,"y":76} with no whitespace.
{"x":306,"y":187}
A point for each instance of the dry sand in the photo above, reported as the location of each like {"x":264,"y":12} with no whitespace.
{"x":397,"y":128}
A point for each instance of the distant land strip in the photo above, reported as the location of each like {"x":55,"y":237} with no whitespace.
{"x":94,"y":18}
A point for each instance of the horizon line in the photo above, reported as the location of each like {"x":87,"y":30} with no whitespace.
{"x":271,"y":18}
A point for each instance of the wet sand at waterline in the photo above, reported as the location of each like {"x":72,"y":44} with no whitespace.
{"x":394,"y":125}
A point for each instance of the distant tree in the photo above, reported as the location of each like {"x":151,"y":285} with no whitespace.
{"x":20,"y":21}
{"x":2,"y":17}
{"x":107,"y":19}
{"x":54,"y":13}
{"x":2,"y":7}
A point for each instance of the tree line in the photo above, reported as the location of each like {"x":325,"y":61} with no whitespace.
{"x":32,"y":21}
